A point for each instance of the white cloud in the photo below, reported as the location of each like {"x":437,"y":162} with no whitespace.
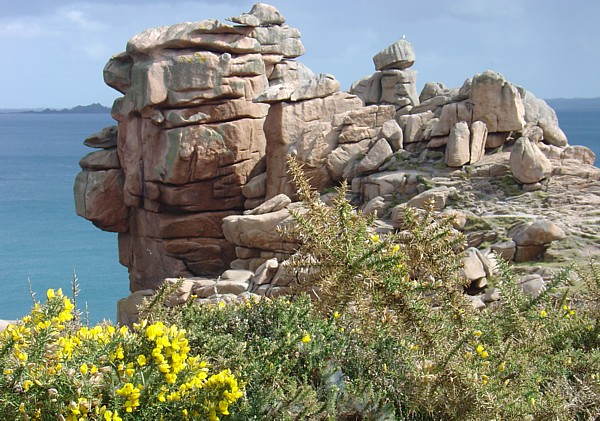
{"x":533,"y":41}
{"x":80,"y":19}
{"x":20,"y":29}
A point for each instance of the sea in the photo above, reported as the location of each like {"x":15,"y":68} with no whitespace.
{"x":44,"y":244}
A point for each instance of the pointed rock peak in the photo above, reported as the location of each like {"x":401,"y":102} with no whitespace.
{"x":261,"y":14}
{"x":400,"y":55}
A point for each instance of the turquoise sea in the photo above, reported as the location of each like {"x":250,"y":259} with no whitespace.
{"x":43,"y":240}
{"x":41,"y":237}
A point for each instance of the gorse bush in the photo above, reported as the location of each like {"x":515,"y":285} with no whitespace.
{"x":344,"y":261}
{"x":54,"y":369}
{"x":525,"y":357}
{"x":386,"y":334}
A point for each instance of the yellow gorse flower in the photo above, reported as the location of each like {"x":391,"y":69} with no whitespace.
{"x":132,"y":396}
{"x":149,"y":350}
{"x":482,"y":352}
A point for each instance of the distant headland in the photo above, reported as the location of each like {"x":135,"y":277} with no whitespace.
{"x":559,"y":104}
{"x":94,"y":108}
{"x":574,"y":104}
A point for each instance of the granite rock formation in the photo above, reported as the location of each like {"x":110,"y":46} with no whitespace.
{"x":194,"y":180}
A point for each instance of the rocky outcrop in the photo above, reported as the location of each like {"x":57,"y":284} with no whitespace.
{"x":533,"y":238}
{"x":189,"y":137}
{"x":99,"y":187}
{"x":393,"y":83}
{"x":194,"y":178}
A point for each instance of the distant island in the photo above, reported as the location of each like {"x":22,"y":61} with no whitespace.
{"x":95,"y":108}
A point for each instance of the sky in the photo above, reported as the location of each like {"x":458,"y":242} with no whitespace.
{"x":53,"y":51}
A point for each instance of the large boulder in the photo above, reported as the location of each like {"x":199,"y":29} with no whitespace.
{"x":478,"y":139}
{"x":106,"y":159}
{"x":99,"y":198}
{"x":527,"y":163}
{"x":105,"y":138}
{"x":553,"y":134}
{"x":261,"y":14}
{"x":497,"y":103}
{"x":458,"y":151}
{"x":415,"y":126}
{"x":258,"y":231}
{"x":436,"y":197}
{"x":398,"y":87}
{"x":376,"y":156}
{"x":537,"y":233}
{"x":473,"y":269}
{"x":533,"y":238}
{"x":400,"y":55}
{"x":451,"y":114}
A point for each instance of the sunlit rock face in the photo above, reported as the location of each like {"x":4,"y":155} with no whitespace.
{"x":202,"y":104}
{"x":194,"y":176}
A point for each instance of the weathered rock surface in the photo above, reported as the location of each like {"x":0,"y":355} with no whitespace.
{"x":106,"y":138}
{"x":400,"y":55}
{"x":99,"y":198}
{"x":376,"y":156}
{"x":527,"y":163}
{"x":458,"y":149}
{"x":533,"y":238}
{"x":392,"y":83}
{"x":189,"y":138}
{"x":194,"y":178}
{"x":478,"y":139}
{"x":497,"y":103}
{"x":258,"y":231}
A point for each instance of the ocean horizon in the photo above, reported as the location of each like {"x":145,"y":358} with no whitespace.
{"x":44,"y":242}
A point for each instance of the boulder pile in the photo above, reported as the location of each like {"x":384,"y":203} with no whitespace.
{"x":194,"y":179}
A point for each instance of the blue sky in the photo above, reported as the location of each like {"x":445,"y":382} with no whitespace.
{"x":53,"y":52}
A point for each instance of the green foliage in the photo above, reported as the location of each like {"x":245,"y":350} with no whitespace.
{"x":53,"y":368}
{"x":518,"y":359}
{"x":346,"y":264}
{"x":425,"y":182}
{"x":387,"y":334}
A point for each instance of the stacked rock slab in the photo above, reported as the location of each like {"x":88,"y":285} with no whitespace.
{"x":99,"y":187}
{"x":203,"y":103}
{"x":393,"y":83}
{"x":194,"y":177}
{"x":189,"y":138}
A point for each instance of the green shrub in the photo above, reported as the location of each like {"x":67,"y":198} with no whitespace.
{"x":388,"y":334}
{"x":52,"y":368}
